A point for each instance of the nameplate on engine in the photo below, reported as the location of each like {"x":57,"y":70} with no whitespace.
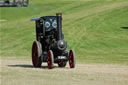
{"x":61,"y":57}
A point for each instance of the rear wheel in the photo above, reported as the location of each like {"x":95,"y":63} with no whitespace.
{"x":36,"y":54}
{"x":50,"y":59}
{"x":62,"y":64}
{"x":71,"y":59}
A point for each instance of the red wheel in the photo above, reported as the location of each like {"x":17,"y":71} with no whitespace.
{"x":71,"y":59}
{"x":50,"y":59}
{"x":62,"y":64}
{"x":36,"y":54}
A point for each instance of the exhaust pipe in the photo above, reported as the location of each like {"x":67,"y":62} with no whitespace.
{"x":59,"y":26}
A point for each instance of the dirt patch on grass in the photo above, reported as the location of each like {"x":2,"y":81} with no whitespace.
{"x":19,"y":72}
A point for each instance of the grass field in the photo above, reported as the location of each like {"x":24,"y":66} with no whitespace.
{"x":93,"y":28}
{"x":96,"y":29}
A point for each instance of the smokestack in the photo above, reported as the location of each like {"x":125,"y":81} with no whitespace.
{"x":59,"y":26}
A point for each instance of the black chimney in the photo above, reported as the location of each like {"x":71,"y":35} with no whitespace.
{"x":59,"y":26}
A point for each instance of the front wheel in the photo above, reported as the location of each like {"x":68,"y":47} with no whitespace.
{"x":71,"y":59}
{"x":50,"y":59}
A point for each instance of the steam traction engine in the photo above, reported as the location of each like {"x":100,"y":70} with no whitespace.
{"x":49,"y":45}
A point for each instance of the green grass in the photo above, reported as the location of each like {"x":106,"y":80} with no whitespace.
{"x":93,"y":28}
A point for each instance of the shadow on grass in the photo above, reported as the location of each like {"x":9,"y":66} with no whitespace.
{"x":23,"y":66}
{"x":124,"y":27}
{"x":30,"y":66}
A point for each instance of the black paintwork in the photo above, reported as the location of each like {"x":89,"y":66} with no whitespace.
{"x":51,"y":38}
